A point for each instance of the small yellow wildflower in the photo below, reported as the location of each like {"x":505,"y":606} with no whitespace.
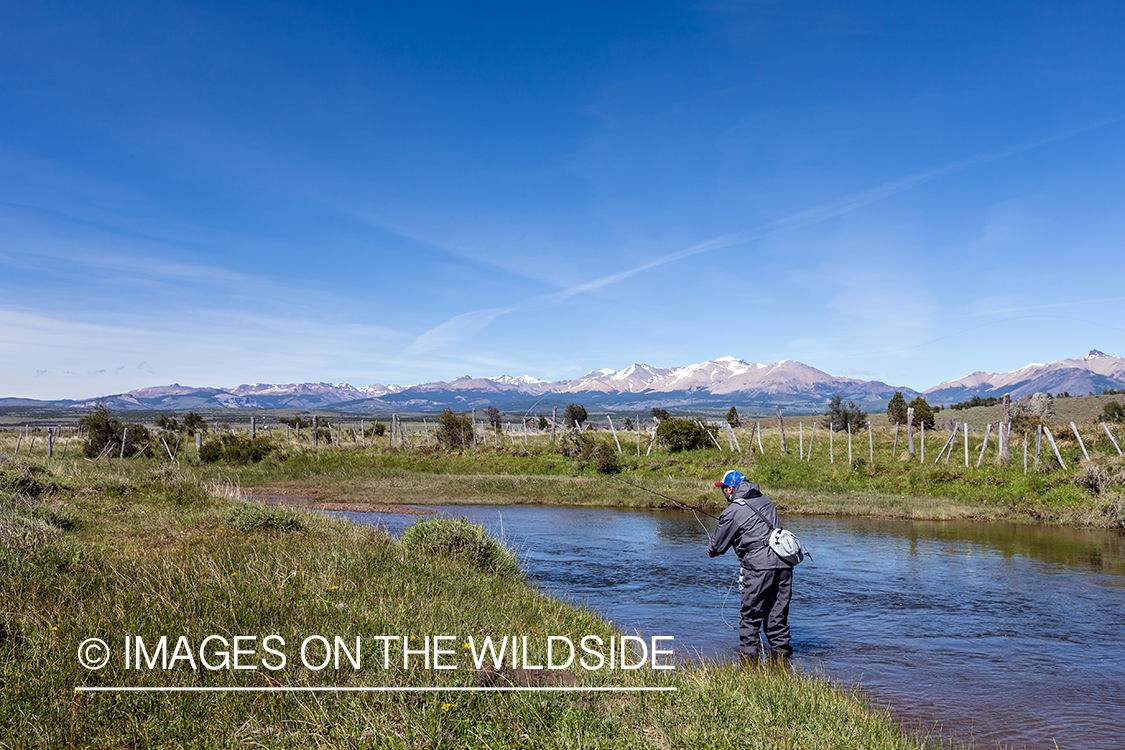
{"x":446,"y":706}
{"x":335,"y":587}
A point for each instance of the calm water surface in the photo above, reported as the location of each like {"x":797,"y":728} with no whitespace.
{"x":995,"y":633}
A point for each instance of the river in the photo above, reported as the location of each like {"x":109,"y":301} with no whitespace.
{"x":993,"y":633}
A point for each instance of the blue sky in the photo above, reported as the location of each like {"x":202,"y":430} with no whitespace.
{"x":215,"y":194}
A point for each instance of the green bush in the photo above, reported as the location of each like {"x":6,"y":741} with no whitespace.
{"x":454,"y":430}
{"x":104,"y":434}
{"x":251,"y":517}
{"x":235,"y":449}
{"x":1112,"y":412}
{"x":466,"y":542}
{"x":677,"y":434}
{"x":606,"y":459}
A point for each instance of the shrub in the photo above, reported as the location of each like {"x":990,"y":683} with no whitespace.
{"x":678,"y":434}
{"x":104,"y":434}
{"x":576,"y":445}
{"x":732,"y":418}
{"x":250,"y":517}
{"x":1112,"y":412}
{"x":235,"y":449}
{"x":606,"y":460}
{"x":466,"y":542}
{"x":454,"y":430}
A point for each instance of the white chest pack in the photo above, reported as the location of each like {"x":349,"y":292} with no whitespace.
{"x":783,"y":542}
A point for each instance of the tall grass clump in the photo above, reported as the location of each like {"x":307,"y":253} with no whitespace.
{"x":466,"y":542}
{"x":252,"y":517}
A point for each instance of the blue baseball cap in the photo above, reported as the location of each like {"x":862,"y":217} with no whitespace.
{"x":731,"y":479}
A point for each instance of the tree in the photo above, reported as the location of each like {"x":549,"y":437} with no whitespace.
{"x":543,"y":423}
{"x":732,"y":418}
{"x":628,"y":424}
{"x":454,"y":430}
{"x":495,"y":417}
{"x":923,"y":414}
{"x":661,"y":414}
{"x":839,"y":416}
{"x":574,"y":415}
{"x":896,"y":409}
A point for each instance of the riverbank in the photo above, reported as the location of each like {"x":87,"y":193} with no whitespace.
{"x":143,"y":550}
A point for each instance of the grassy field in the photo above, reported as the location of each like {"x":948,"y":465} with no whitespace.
{"x":141,"y":548}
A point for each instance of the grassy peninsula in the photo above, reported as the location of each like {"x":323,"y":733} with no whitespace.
{"x":141,"y":549}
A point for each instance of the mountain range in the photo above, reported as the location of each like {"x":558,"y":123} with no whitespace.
{"x":720,"y":383}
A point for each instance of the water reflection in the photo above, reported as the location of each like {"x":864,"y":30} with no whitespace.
{"x":1000,"y":632}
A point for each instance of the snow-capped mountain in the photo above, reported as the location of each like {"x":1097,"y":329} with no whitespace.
{"x":717,"y":383}
{"x":1093,"y":373}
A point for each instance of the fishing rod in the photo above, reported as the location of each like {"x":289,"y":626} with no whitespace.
{"x":658,"y":494}
{"x":684,"y":505}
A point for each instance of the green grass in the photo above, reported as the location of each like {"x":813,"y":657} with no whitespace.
{"x":151,"y":550}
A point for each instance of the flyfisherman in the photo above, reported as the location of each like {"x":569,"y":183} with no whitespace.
{"x":765,"y":580}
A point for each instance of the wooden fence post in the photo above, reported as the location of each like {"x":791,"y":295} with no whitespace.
{"x":316,"y":431}
{"x":1025,"y":452}
{"x":812,"y":438}
{"x":1111,"y":438}
{"x":1051,"y":440}
{"x":1006,"y":431}
{"x":831,"y":434}
{"x":870,"y":444}
{"x":50,"y":442}
{"x":910,"y":429}
{"x":758,"y":430}
{"x":253,"y":428}
{"x":848,"y":427}
{"x":922,"y":440}
{"x":894,"y":450}
{"x":554,"y":421}
{"x":984,"y":443}
{"x":1080,"y":443}
{"x":652,"y":442}
{"x":948,"y":445}
{"x":611,"y":429}
{"x":781,"y":427}
{"x":800,"y":441}
{"x":966,"y":425}
{"x":1038,"y":443}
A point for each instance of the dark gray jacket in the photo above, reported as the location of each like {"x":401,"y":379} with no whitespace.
{"x":743,"y":529}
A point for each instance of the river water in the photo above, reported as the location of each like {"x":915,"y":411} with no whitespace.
{"x":994,"y":633}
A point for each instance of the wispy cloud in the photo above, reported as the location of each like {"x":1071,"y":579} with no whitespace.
{"x":454,"y":330}
{"x":826,"y":211}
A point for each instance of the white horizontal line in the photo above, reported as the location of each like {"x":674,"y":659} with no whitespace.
{"x":462,"y":689}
